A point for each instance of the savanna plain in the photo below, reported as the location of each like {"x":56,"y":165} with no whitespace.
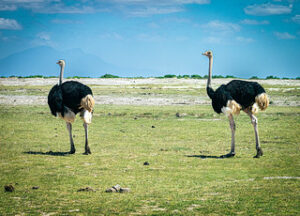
{"x":168,"y":123}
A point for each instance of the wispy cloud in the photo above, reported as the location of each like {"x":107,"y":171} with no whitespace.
{"x":9,"y":24}
{"x":43,"y":36}
{"x":4,"y":7}
{"x":284,"y":35}
{"x":212,"y":40}
{"x":268,"y":9}
{"x":255,"y":22}
{"x":66,"y":21}
{"x":139,"y":8}
{"x":296,"y":19}
{"x":143,"y":12}
{"x":219,"y":26}
{"x":245,"y":39}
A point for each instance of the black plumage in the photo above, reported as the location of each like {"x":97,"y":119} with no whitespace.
{"x":67,"y":99}
{"x":69,"y":95}
{"x":243,"y":92}
{"x":235,"y":96}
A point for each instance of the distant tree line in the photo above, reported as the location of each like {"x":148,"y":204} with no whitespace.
{"x":194,"y":76}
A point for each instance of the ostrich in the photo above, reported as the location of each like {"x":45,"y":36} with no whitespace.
{"x":69,"y":98}
{"x":235,"y":96}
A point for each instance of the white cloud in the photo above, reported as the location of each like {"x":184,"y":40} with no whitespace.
{"x":66,"y":21}
{"x":139,"y":8}
{"x":143,"y":12}
{"x":255,"y":22}
{"x":296,"y":18}
{"x":267,"y":9}
{"x":8,"y":7}
{"x":213,"y":40}
{"x":284,"y":35}
{"x":10,"y":24}
{"x":219,"y":26}
{"x":244,"y":39}
{"x":43,"y":36}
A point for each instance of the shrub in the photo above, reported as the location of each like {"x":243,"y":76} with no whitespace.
{"x":230,"y":76}
{"x":109,"y":76}
{"x":169,"y":76}
{"x":272,"y":77}
{"x":196,"y":76}
{"x":254,"y":77}
{"x":217,"y":76}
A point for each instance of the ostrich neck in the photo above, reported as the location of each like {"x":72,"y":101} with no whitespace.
{"x":61,"y":74}
{"x":209,"y":72}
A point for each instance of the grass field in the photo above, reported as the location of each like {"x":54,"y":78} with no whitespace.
{"x":185,"y":175}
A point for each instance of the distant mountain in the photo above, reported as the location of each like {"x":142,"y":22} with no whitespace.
{"x":41,"y":61}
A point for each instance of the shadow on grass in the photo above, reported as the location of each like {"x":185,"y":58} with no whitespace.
{"x":206,"y":156}
{"x":47,"y":153}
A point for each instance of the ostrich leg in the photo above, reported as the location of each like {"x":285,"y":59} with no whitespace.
{"x":255,"y":125}
{"x":87,"y":148}
{"x":232,"y":126}
{"x":69,"y":127}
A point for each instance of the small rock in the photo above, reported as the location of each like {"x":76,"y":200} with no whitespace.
{"x":9,"y":188}
{"x":153,"y":126}
{"x":146,"y":163}
{"x":135,"y":118}
{"x":113,"y":189}
{"x":86,"y":189}
{"x":124,"y":190}
{"x":35,"y":187}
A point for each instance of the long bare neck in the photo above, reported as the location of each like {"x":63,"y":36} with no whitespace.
{"x":209,"y":89}
{"x":62,"y":67}
{"x":209,"y":72}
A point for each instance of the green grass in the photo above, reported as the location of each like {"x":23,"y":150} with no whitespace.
{"x":177,"y":181}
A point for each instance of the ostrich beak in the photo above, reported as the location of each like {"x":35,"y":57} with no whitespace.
{"x":57,"y":62}
{"x":204,"y":54}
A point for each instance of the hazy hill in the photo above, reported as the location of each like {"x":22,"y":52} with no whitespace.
{"x":41,"y":61}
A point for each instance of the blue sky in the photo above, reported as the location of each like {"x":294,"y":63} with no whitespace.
{"x":248,"y":37}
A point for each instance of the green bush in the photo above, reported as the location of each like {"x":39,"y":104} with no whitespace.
{"x":169,"y":76}
{"x":272,"y":77}
{"x":230,"y":76}
{"x":109,"y":76}
{"x":217,"y":76}
{"x":196,"y":76}
{"x":254,"y":77}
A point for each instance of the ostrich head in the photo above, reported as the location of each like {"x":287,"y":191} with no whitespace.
{"x":209,"y":54}
{"x":61,"y":63}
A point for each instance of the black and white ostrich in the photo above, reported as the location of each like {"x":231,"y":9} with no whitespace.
{"x":235,"y":96}
{"x":69,"y":98}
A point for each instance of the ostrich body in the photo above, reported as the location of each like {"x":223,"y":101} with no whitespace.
{"x":69,"y":98}
{"x":235,"y":96}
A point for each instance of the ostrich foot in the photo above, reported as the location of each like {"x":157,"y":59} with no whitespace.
{"x":87,"y":151}
{"x":230,"y":154}
{"x":259,"y":153}
{"x":72,"y":151}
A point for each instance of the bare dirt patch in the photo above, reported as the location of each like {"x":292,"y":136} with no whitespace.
{"x":181,"y":85}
